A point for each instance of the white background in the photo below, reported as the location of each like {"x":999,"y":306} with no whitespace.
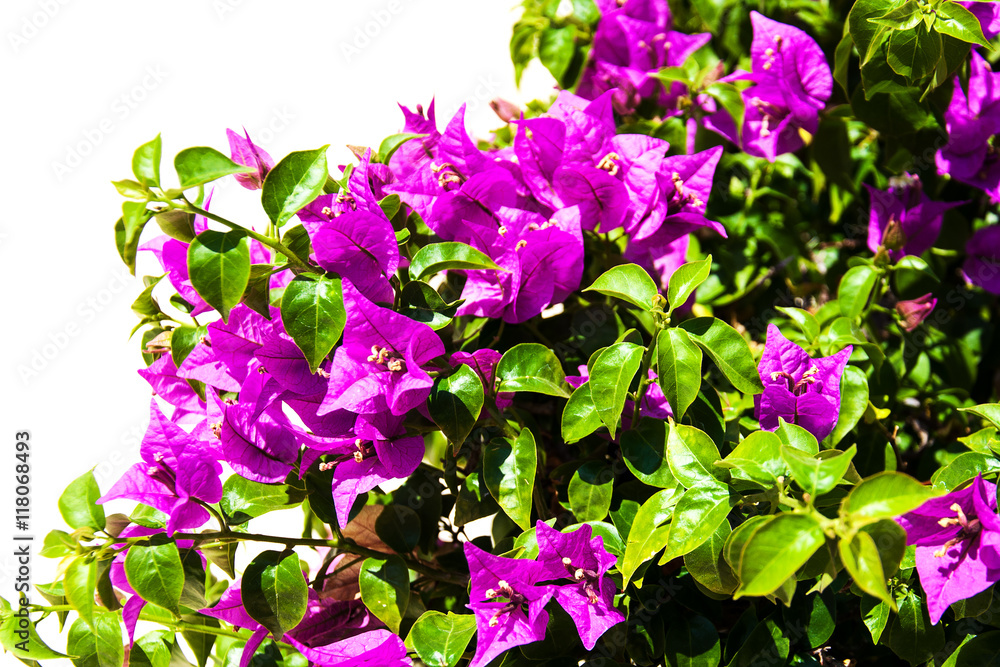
{"x":85,"y":83}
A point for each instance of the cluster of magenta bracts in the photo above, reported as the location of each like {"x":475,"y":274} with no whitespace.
{"x":527,"y":208}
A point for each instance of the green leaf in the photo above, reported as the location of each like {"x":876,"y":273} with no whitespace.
{"x":855,"y":289}
{"x":644,"y":449}
{"x":201,"y":164}
{"x":875,"y":615}
{"x":860,"y":558}
{"x":796,"y":437}
{"x":80,"y":584}
{"x":438,"y":257}
{"x":293,"y":183}
{"x":531,"y":367}
{"x":678,"y":369}
{"x":590,"y":491}
{"x":146,"y":162}
{"x":911,"y":635}
{"x":708,"y":567}
{"x":424,"y":304}
{"x":101,"y":645}
{"x":691,"y":455}
{"x":183,"y":339}
{"x":579,"y":417}
{"x":853,"y":402}
{"x":914,"y":53}
{"x":455,"y":403}
{"x":385,"y":589}
{"x":767,"y":641}
{"x":156,"y":573}
{"x":698,"y":513}
{"x":610,"y":378}
{"x":392,"y":143}
{"x":775,"y":550}
{"x":555,"y":49}
{"x":692,"y":641}
{"x":648,"y":534}
{"x":219,"y":265}
{"x":628,"y":282}
{"x":275,"y":592}
{"x":817,"y":476}
{"x":312,"y":310}
{"x":131,"y":189}
{"x":805,"y":320}
{"x":440,"y":639}
{"x":78,"y":503}
{"x":128,"y":229}
{"x":244,"y":499}
{"x":842,"y":59}
{"x":399,"y":527}
{"x":902,"y":17}
{"x":728,"y":350}
{"x":884,"y":496}
{"x":685,"y":280}
{"x":988,"y":411}
{"x":509,"y":473}
{"x":977,"y":651}
{"x":731,"y":99}
{"x":18,"y":636}
{"x":955,"y":20}
{"x":963,"y":468}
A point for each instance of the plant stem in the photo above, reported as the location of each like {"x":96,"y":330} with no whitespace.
{"x":270,"y":243}
{"x":644,"y":381}
{"x":289,"y":542}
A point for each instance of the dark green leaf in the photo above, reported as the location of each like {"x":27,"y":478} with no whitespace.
{"x":913,"y":53}
{"x":590,"y":491}
{"x":455,"y":403}
{"x":628,"y":282}
{"x":692,"y":642}
{"x":78,"y":503}
{"x":439,"y":639}
{"x":509,"y":472}
{"x":385,"y":588}
{"x":314,"y":316}
{"x":399,"y":527}
{"x":201,"y":164}
{"x":156,"y":573}
{"x":728,"y":350}
{"x":450,"y":255}
{"x":244,"y":499}
{"x":853,"y":402}
{"x":678,"y":369}
{"x":531,"y":367}
{"x":293,"y":183}
{"x":644,"y":449}
{"x":275,"y":592}
{"x":708,"y":567}
{"x":911,"y":635}
{"x":980,"y":651}
{"x":219,"y":265}
{"x":610,"y":378}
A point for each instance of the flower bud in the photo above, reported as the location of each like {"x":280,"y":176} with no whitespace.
{"x":915,"y":311}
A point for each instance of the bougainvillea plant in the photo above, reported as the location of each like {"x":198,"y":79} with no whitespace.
{"x":695,"y":363}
